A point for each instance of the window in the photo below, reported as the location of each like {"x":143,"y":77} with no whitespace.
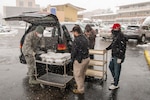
{"x":29,"y":4}
{"x":50,"y":32}
{"x":133,"y":27}
{"x":21,"y":4}
{"x":145,"y":27}
{"x":60,"y":9}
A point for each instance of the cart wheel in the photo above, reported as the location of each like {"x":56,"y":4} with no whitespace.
{"x":106,"y":78}
{"x":62,"y":90}
{"x":42,"y":86}
{"x":101,"y":82}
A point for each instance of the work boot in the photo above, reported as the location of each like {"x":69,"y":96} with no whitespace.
{"x":77,"y":91}
{"x":32,"y":80}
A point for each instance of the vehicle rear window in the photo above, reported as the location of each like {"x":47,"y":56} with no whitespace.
{"x":145,"y":27}
{"x":50,"y":32}
{"x":69,"y":26}
{"x":133,"y":27}
{"x":92,"y":25}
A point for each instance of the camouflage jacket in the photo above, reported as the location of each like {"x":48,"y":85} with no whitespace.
{"x":32,"y":43}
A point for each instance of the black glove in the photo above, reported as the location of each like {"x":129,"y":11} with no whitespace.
{"x":37,"y":57}
{"x":71,"y":62}
{"x":43,"y":49}
{"x":79,"y":60}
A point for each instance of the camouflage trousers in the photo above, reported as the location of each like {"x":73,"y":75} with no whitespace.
{"x":31,"y":65}
{"x":79,"y":70}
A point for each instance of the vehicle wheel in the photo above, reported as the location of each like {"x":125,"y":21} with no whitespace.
{"x":143,"y":38}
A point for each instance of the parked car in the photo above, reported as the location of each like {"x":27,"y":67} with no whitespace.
{"x":146,"y":22}
{"x":95,"y":27}
{"x":140,"y":33}
{"x":105,"y":32}
{"x":57,"y":37}
{"x":70,"y":25}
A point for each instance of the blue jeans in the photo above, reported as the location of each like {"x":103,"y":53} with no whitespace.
{"x":115,"y":69}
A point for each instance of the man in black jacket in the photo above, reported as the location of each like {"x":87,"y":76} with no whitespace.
{"x":118,"y":47}
{"x":80,"y":57}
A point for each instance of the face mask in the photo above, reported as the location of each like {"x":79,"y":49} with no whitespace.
{"x":39,"y":35}
{"x":114,"y":32}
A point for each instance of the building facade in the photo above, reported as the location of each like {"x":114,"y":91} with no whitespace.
{"x":133,"y":13}
{"x":127,"y":14}
{"x":67,"y":12}
{"x":26,"y":3}
{"x":13,"y":11}
{"x":107,"y":19}
{"x":21,"y":6}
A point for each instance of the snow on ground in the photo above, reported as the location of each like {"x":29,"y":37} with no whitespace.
{"x":143,"y":45}
{"x":18,"y":27}
{"x":11,"y":32}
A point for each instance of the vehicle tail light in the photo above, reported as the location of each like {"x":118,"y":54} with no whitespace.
{"x":61,"y":47}
{"x":20,"y":46}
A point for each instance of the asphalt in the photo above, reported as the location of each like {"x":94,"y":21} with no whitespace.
{"x":134,"y":80}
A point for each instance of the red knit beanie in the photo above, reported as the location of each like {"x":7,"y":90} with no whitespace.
{"x":116,"y":25}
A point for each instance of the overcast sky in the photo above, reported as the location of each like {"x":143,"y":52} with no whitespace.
{"x":87,"y":4}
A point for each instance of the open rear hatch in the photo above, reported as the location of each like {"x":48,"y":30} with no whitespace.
{"x":35,"y":18}
{"x":40,"y":18}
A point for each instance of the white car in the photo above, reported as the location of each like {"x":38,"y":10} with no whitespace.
{"x":70,"y":25}
{"x":105,"y":32}
{"x":95,"y":27}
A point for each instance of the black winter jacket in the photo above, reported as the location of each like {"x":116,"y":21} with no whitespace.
{"x":118,"y":46}
{"x":80,"y":48}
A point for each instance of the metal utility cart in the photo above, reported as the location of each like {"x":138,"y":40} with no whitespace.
{"x":53,"y":79}
{"x":99,"y":73}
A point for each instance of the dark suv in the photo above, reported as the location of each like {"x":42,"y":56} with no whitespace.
{"x":57,"y":37}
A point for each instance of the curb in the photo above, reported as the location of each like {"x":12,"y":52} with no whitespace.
{"x":147,"y":56}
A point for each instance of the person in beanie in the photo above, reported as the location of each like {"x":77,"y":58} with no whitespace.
{"x":33,"y":41}
{"x":118,"y":47}
{"x":80,"y":58}
{"x":91,"y":35}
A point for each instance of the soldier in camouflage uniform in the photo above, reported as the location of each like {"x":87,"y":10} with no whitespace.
{"x":33,"y":41}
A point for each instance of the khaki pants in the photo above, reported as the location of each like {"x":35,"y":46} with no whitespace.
{"x":79,"y":70}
